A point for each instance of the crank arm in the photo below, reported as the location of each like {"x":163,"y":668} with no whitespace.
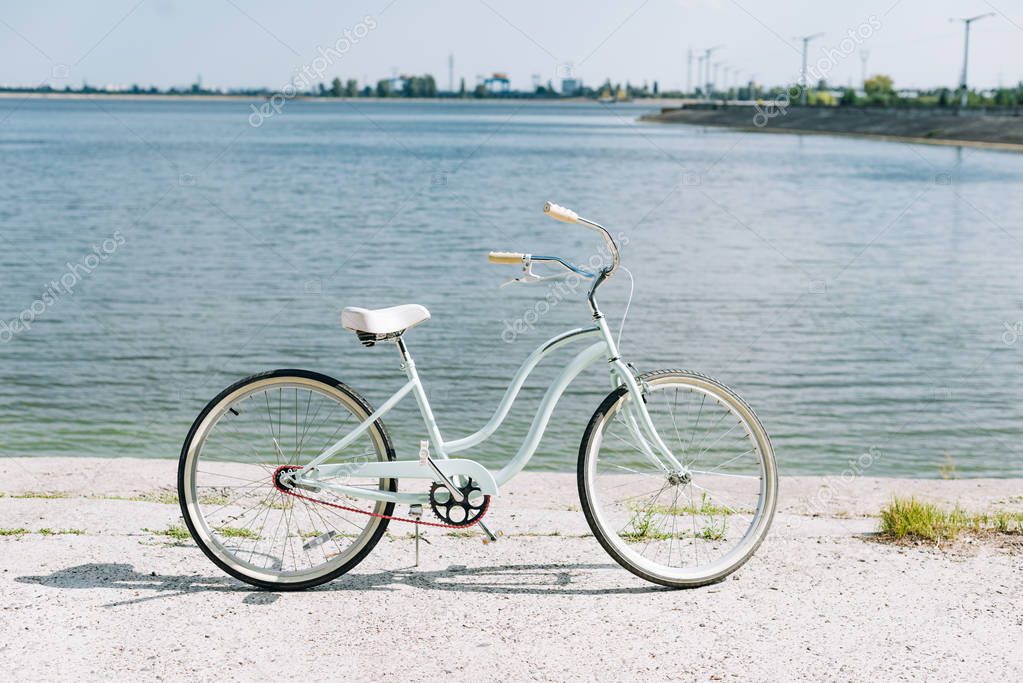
{"x":439,"y":476}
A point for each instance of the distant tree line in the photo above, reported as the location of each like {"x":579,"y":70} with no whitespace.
{"x":878,"y":90}
{"x":411,"y":86}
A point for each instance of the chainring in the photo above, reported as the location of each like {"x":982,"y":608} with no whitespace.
{"x":450,"y":511}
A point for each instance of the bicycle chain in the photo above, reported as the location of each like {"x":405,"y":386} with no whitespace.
{"x":393,"y":518}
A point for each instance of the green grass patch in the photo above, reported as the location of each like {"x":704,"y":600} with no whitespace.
{"x":1001,"y":522}
{"x":713,"y":530}
{"x":170,"y":497}
{"x":162,"y":496}
{"x":61,"y":532}
{"x":643,"y":527}
{"x":237,"y":532}
{"x":45,"y":495}
{"x":706,"y":507}
{"x":210,"y":499}
{"x":911,"y":519}
{"x":176,"y":532}
{"x":45,"y":531}
{"x":462,"y":533}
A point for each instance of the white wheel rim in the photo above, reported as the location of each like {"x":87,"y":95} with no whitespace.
{"x":241,"y":550}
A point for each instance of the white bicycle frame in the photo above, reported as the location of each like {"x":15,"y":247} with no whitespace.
{"x":317,"y":473}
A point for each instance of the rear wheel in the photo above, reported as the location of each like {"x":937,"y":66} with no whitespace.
{"x":236,"y":509}
{"x":686,"y":528}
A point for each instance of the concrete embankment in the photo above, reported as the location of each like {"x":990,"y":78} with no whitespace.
{"x":1001,"y":130}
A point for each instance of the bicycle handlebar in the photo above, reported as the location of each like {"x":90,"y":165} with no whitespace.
{"x":565,"y":215}
{"x":560,"y":213}
{"x":505,"y":257}
{"x":568,"y":216}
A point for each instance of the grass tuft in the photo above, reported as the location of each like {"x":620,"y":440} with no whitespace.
{"x":713,"y":520}
{"x":236,"y":532}
{"x":462,"y":533}
{"x":174,"y":531}
{"x":45,"y":495}
{"x":162,"y":496}
{"x":915,"y":520}
{"x":706,"y":508}
{"x":45,"y":531}
{"x":169,"y":497}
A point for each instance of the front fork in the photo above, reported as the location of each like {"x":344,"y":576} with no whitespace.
{"x":638,"y":420}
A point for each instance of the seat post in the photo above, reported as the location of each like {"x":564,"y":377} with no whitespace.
{"x":402,"y":349}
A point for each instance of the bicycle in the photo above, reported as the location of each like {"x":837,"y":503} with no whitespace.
{"x":676,"y":474}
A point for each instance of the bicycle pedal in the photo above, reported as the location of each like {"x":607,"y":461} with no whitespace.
{"x":487,"y":540}
{"x":490,"y":536}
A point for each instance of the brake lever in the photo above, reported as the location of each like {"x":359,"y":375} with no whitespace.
{"x":529,"y":276}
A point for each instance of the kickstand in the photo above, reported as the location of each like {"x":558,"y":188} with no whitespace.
{"x":415,"y":511}
{"x":490,"y":536}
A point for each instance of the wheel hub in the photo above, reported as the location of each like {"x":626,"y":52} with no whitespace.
{"x":281,"y":477}
{"x":679,"y":478}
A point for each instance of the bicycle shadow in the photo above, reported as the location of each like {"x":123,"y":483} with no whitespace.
{"x":123,"y":576}
{"x":519,"y":579}
{"x":533,"y":579}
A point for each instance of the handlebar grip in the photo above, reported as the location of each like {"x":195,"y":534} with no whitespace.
{"x":560,"y":213}
{"x":505,"y":257}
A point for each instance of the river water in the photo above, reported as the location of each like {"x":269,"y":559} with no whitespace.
{"x":864,"y":297}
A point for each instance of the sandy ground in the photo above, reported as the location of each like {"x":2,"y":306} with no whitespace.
{"x":820,"y":600}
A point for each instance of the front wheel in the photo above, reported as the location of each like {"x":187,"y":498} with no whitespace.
{"x":688,"y":527}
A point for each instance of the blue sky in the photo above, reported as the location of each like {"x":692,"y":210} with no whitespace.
{"x":262,"y":43}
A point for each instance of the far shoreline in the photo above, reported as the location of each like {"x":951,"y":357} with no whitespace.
{"x":651,"y":103}
{"x":997,"y":132}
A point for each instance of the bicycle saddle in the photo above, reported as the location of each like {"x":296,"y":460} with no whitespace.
{"x":383,"y":321}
